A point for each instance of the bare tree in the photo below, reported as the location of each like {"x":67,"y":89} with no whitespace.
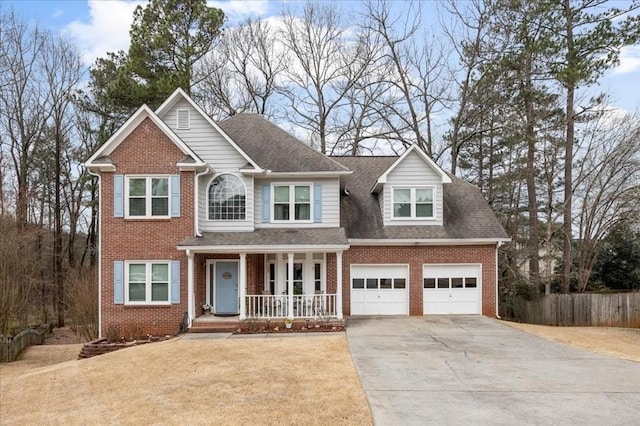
{"x":23,"y":100}
{"x":607,"y":185}
{"x":243,"y":72}
{"x":415,"y":73}
{"x":320,"y":75}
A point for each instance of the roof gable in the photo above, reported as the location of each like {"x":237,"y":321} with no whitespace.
{"x":97,"y":160}
{"x":180,"y":94}
{"x":382,"y":179}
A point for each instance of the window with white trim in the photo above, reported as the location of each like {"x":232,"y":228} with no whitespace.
{"x":147,"y":283}
{"x":413,"y":203}
{"x":227,"y":199}
{"x":147,"y":196}
{"x":292,"y":203}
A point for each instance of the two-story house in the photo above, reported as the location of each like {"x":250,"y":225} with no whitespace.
{"x":241,"y":216}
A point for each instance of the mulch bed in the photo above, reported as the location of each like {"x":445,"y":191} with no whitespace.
{"x":305,"y":326}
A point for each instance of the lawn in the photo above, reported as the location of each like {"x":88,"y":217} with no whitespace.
{"x":275,"y":380}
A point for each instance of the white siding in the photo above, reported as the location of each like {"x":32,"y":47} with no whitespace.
{"x":207,"y":225}
{"x":413,"y":171}
{"x":216,"y":151}
{"x":204,"y":140}
{"x":330,"y":203}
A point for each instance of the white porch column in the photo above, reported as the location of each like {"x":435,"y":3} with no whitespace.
{"x":290,"y":286}
{"x":191,"y":296}
{"x":242,"y":282}
{"x":339,"y":284}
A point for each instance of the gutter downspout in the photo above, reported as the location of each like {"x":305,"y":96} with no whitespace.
{"x":497,"y":311}
{"x":195,"y":200}
{"x":99,"y":176}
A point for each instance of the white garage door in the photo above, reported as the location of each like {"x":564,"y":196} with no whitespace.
{"x":379,"y":290}
{"x":452,"y":289}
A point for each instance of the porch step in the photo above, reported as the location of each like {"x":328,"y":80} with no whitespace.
{"x":214,"y":327}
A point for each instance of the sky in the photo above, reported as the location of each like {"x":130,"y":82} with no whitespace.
{"x":101,"y":26}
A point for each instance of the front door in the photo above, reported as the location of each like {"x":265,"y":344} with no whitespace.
{"x":226,"y":288}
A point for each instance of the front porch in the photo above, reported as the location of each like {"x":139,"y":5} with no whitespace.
{"x":278,"y":274}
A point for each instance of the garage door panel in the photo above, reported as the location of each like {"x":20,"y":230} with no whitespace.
{"x":379,"y":290}
{"x":452,"y":289}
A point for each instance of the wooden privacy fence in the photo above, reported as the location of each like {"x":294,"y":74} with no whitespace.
{"x":9,"y":350}
{"x":585,"y":309}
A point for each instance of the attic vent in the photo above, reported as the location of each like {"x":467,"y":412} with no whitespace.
{"x":184,"y":119}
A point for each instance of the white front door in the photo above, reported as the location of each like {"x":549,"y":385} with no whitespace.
{"x":452,"y":289}
{"x":379,"y":290}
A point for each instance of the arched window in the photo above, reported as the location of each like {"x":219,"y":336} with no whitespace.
{"x":227,"y":199}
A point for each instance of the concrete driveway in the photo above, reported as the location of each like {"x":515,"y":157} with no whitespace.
{"x":468,"y":370}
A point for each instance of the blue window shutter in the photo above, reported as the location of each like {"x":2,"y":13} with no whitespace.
{"x":118,"y":282}
{"x":118,"y":195}
{"x":175,"y":281}
{"x":175,"y":196}
{"x":266,"y":203}
{"x":317,"y":203}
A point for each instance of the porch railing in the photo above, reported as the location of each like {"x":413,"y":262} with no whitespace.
{"x":304,"y":306}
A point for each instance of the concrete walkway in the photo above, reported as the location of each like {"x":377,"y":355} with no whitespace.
{"x":472,"y":370}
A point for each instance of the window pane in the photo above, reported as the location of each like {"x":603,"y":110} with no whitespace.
{"x":401,"y":210}
{"x":357,"y":283}
{"x":303,"y":212}
{"x":137,"y":207}
{"x":443,"y":282}
{"x":159,"y":207}
{"x":160,"y":292}
{"x":137,"y":272}
{"x":470,"y":282}
{"x":160,"y":187}
{"x":297,"y":271}
{"x":402,"y":195}
{"x":317,"y":270}
{"x":399,"y":283}
{"x":386,"y":282}
{"x":424,"y":210}
{"x":281,"y":211}
{"x":372,"y":283}
{"x":281,"y":194}
{"x":303,"y":194}
{"x":137,"y":187}
{"x":227,"y":199}
{"x":429,"y":283}
{"x":136,"y":292}
{"x":424,"y":195}
{"x":160,"y":272}
{"x":456,"y":283}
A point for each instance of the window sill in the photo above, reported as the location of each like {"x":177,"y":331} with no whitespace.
{"x":148,"y":305}
{"x":147,"y":219}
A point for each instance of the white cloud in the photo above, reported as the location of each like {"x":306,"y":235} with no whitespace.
{"x":237,"y":10}
{"x":57,"y":13}
{"x":107,"y":29}
{"x":629,"y":60}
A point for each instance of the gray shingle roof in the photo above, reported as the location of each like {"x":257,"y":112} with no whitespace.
{"x":274,"y":149}
{"x":271,"y":237}
{"x":466,"y":213}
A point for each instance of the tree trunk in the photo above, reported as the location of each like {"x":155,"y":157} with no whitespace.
{"x":568,"y":156}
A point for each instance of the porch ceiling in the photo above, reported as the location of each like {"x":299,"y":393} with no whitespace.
{"x":269,"y":240}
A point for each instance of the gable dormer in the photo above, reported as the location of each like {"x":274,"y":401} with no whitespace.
{"x":410,"y":191}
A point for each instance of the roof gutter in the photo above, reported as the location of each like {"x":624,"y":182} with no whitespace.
{"x":425,"y":241}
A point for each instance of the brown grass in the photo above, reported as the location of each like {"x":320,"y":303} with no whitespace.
{"x":621,"y":343}
{"x":300,"y":380}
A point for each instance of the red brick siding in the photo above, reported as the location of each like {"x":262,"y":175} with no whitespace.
{"x":416,"y":257}
{"x":145,"y":151}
